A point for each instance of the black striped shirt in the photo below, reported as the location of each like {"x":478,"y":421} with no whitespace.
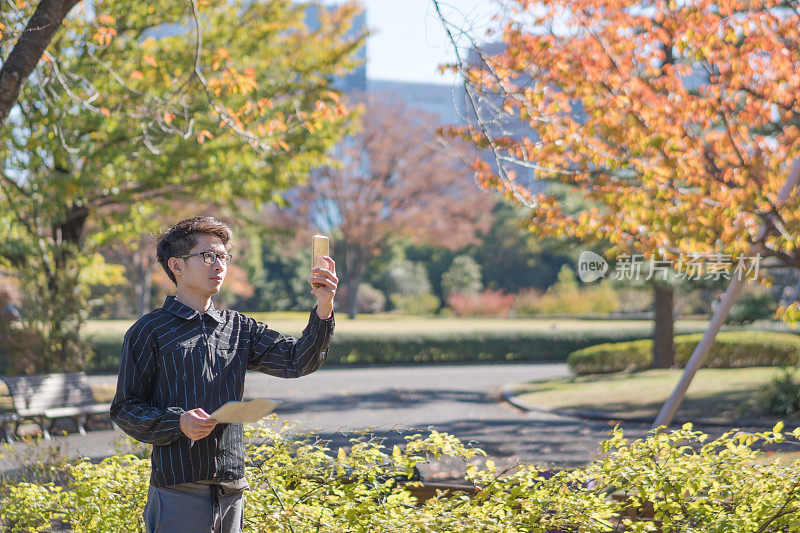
{"x":175,"y":359}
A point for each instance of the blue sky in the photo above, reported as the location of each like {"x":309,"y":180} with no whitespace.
{"x":408,"y":41}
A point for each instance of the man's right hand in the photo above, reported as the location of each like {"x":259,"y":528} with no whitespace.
{"x":196,"y":424}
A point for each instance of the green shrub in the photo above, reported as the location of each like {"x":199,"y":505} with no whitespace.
{"x":612,"y":357}
{"x":31,"y":507}
{"x":464,"y":276}
{"x":107,"y":350}
{"x":739,"y":349}
{"x":409,"y":278}
{"x":754,"y":304}
{"x":782,"y":395}
{"x":21,"y":348}
{"x":567,"y":298}
{"x":731,"y":349}
{"x":416,"y":304}
{"x":467,"y":347}
{"x":369,"y":299}
{"x":670,"y":481}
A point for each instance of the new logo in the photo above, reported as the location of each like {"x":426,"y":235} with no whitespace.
{"x":591,"y":266}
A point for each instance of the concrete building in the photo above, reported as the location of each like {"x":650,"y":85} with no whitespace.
{"x":438,"y":99}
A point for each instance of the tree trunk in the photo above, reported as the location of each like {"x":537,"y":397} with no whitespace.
{"x":54,"y":306}
{"x":354,"y":275}
{"x":670,"y":407}
{"x":351,"y":274}
{"x":143,"y":290}
{"x":44,"y":23}
{"x":664,"y":331}
{"x":66,"y":308}
{"x":351,"y":297}
{"x":143,"y":284}
{"x":733,"y":291}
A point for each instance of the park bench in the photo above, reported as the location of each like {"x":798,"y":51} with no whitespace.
{"x":46,"y":398}
{"x":6,"y":421}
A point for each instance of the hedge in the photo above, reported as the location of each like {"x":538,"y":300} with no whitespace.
{"x":676,"y":481}
{"x":731,"y":349}
{"x":450,"y":347}
{"x":468,"y":346}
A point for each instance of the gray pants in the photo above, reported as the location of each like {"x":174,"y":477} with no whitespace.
{"x":198,"y":509}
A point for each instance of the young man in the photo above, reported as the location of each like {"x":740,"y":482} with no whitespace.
{"x":185,"y":360}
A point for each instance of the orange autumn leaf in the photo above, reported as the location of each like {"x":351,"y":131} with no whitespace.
{"x":106,"y":20}
{"x":673,"y":125}
{"x":104,"y":35}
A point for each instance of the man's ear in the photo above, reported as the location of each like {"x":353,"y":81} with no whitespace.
{"x":176,"y":266}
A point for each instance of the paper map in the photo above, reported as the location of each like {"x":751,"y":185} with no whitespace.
{"x":245,"y":412}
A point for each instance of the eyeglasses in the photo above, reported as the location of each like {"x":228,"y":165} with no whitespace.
{"x":211,"y":257}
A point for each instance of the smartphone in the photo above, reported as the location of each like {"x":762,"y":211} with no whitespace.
{"x":320,"y":245}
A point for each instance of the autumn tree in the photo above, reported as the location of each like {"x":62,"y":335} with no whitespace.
{"x":395,"y":178}
{"x":134,"y":103}
{"x":677,"y":121}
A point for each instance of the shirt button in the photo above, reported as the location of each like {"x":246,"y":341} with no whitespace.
{"x":184,"y":377}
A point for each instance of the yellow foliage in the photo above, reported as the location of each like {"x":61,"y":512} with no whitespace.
{"x":95,"y":271}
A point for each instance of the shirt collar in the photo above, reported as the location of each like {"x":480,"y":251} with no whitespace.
{"x":181,"y":310}
{"x":214,"y":313}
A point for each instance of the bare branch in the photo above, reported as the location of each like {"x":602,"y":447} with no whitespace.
{"x":462,"y":66}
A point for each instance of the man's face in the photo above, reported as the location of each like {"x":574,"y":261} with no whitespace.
{"x":198,"y":277}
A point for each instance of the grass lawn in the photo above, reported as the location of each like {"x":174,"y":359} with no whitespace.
{"x":715,"y":394}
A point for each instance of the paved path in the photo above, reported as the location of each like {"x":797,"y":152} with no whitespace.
{"x":463,"y":400}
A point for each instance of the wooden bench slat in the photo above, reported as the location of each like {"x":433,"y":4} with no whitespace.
{"x":34,"y":394}
{"x":41,"y":402}
{"x":61,"y":412}
{"x":52,"y":396}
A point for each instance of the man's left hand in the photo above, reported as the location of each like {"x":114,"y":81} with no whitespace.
{"x":326,"y":288}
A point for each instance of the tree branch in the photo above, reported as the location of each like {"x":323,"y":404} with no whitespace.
{"x":26,"y":53}
{"x":481,"y":125}
{"x":139,"y":192}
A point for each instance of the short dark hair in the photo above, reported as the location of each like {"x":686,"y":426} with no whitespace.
{"x":181,"y":238}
